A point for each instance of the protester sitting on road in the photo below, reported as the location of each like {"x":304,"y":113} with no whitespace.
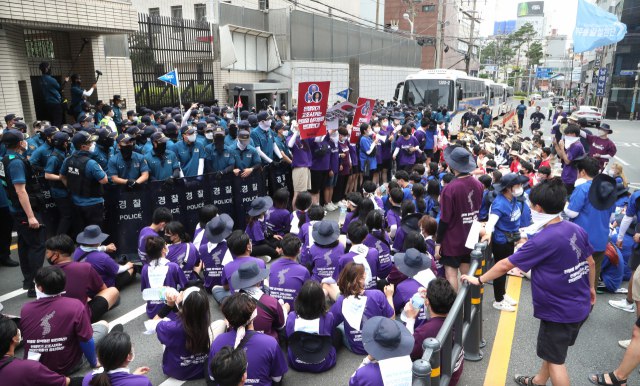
{"x":115,"y":353}
{"x":215,"y":254}
{"x":301,"y":202}
{"x":265,"y":244}
{"x":361,"y":254}
{"x":416,"y":266}
{"x":326,"y":249}
{"x":229,"y":367}
{"x":286,"y":275}
{"x":268,"y":364}
{"x":91,"y":250}
{"x":278,"y":216}
{"x":161,"y":216}
{"x":309,"y":331}
{"x":83,"y":281}
{"x":205,"y":214}
{"x":186,"y":339}
{"x":378,"y":238}
{"x":182,"y":252}
{"x":240,"y":247}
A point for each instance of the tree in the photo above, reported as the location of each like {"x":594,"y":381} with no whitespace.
{"x":534,"y":54}
{"x":497,"y":52}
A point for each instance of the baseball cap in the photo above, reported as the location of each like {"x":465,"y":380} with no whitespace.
{"x":159,"y":137}
{"x":124,"y":138}
{"x":187,"y":130}
{"x":60,"y":137}
{"x":104,"y":133}
{"x":171,"y":128}
{"x":243,"y":134}
{"x":131,"y":112}
{"x":10,"y":117}
{"x":218,"y":131}
{"x":21,"y":125}
{"x":49,"y":131}
{"x":244,"y":124}
{"x":264,"y":116}
{"x":12,"y":136}
{"x":133,"y":130}
{"x":82,"y":138}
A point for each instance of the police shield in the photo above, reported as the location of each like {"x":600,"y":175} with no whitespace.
{"x":245,"y":190}
{"x":219,"y":192}
{"x":127,"y":211}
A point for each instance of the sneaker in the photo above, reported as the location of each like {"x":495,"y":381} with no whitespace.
{"x":330,"y":207}
{"x":265,"y":258}
{"x":31,"y":292}
{"x":623,"y":305}
{"x":510,"y":301}
{"x":342,"y":204}
{"x":503,"y":306}
{"x":624,"y":343}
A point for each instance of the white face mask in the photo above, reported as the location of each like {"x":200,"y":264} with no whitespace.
{"x":538,"y":221}
{"x":376,"y":129}
{"x":285,"y":133}
{"x":517,"y":192}
{"x":229,"y":115}
{"x":265,"y":125}
{"x":133,"y":356}
{"x":385,"y":123}
{"x":191,"y":138}
{"x":602,"y":133}
{"x":208,"y":135}
{"x":92,"y":148}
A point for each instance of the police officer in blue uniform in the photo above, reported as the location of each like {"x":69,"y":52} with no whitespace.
{"x":26,"y":205}
{"x":264,"y":139}
{"x":245,"y":156}
{"x":59,"y":192}
{"x":172,"y":132}
{"x":104,"y":147}
{"x":127,"y":167}
{"x":35,"y":141}
{"x":40,"y":156}
{"x":117,"y":114}
{"x":219,"y":159}
{"x":190,"y":153}
{"x":147,"y":132}
{"x":163,"y":163}
{"x":84,"y":178}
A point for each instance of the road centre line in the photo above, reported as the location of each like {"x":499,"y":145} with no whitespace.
{"x":129,"y":316}
{"x":172,"y":382}
{"x":623,"y":162}
{"x":12,"y":294}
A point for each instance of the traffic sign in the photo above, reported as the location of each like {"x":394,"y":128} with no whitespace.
{"x":543,"y":72}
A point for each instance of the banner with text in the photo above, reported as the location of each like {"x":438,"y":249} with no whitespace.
{"x":364,"y":110}
{"x":312,"y":107}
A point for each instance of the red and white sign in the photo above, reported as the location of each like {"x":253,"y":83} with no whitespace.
{"x":312,"y":108}
{"x":364,"y":110}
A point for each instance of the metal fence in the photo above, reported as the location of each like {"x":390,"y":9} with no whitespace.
{"x":162,"y":44}
{"x":461,"y":329}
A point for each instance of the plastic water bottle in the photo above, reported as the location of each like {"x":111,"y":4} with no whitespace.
{"x":343,"y":215}
{"x":417,"y":301}
{"x":152,"y":294}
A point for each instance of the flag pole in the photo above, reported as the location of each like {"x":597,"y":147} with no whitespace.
{"x":179,"y":94}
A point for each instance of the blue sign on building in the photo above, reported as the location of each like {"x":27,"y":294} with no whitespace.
{"x":603,"y":74}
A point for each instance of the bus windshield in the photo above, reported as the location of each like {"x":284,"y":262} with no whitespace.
{"x":434,"y":92}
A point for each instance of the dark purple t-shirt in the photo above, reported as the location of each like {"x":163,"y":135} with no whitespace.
{"x":325,"y":327}
{"x":278,"y":221}
{"x":324,"y":260}
{"x":121,"y":378}
{"x":55,"y":327}
{"x":560,"y":287}
{"x":233,"y":266}
{"x":286,"y":277}
{"x":82,"y":281}
{"x":186,"y":261}
{"x":163,"y":273}
{"x":320,"y":162}
{"x":601,"y":146}
{"x":106,"y":267}
{"x":177,"y":361}
{"x":145,"y":233}
{"x":24,"y":372}
{"x":263,"y":353}
{"x":460,"y":203}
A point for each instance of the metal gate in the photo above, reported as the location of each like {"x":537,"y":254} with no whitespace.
{"x":162,"y":44}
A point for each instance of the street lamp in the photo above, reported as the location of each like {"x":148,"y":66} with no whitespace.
{"x":407,"y":17}
{"x":635,"y":94}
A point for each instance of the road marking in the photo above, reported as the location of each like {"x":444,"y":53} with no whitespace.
{"x":12,"y":294}
{"x":496,"y":374}
{"x":129,"y":316}
{"x":14,"y":246}
{"x":623,"y":162}
{"x":172,"y":382}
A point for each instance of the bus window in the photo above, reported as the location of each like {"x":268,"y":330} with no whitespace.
{"x":434,"y":92}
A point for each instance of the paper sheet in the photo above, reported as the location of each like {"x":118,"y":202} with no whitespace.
{"x":396,"y":371}
{"x":474,"y":235}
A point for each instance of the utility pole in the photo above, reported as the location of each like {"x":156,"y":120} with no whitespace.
{"x":440,"y":36}
{"x":471,"y":38}
{"x":377,"y":14}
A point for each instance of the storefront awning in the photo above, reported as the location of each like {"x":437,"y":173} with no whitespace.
{"x":248,"y":49}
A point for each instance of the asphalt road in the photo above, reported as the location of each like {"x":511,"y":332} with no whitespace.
{"x":596,"y":348}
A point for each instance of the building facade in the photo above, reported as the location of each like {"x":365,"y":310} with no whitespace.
{"x":74,"y":38}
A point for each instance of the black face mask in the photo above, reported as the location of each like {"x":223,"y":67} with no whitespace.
{"x":219,"y":142}
{"x":126,"y":152}
{"x":233,"y":131}
{"x":141,"y":140}
{"x":106,"y":143}
{"x":161,"y":148}
{"x":61,"y":146}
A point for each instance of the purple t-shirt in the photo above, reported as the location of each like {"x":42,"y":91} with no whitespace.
{"x":82,"y":281}
{"x":263,"y":353}
{"x":372,"y":259}
{"x":381,"y":242}
{"x":303,"y":235}
{"x":177,"y":361}
{"x":286,"y":277}
{"x":264,"y":323}
{"x":233,"y":266}
{"x":173,"y":277}
{"x":398,"y":241}
{"x":324,"y":260}
{"x":460,"y":203}
{"x":278,"y":221}
{"x":386,"y":146}
{"x":104,"y":265}
{"x":393,"y":217}
{"x":367,"y":375}
{"x":121,"y":378}
{"x":345,"y":161}
{"x":601,"y":146}
{"x":320,"y":162}
{"x":347,"y":220}
{"x":353,"y":154}
{"x":301,"y":153}
{"x":178,"y":254}
{"x":334,"y":158}
{"x":405,"y":157}
{"x":570,"y":172}
{"x":55,"y":327}
{"x":255,"y":230}
{"x":145,"y":233}
{"x":212,"y":261}
{"x":402,"y":295}
{"x":24,"y":372}
{"x":325,"y":328}
{"x":560,"y":279}
{"x":376,"y":305}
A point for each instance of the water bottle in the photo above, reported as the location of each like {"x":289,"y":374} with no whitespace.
{"x":417,"y":301}
{"x":343,"y":215}
{"x":154,"y":294}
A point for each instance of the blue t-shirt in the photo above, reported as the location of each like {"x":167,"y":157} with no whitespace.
{"x":264,"y":139}
{"x":595,"y":222}
{"x":161,"y":168}
{"x":632,"y":209}
{"x":40,"y":155}
{"x":365,"y":144}
{"x":92,"y":170}
{"x":53,"y":167}
{"x":217,"y":160}
{"x":189,"y":157}
{"x":513,"y":215}
{"x":130,"y":170}
{"x":243,"y":159}
{"x":17,"y":173}
{"x":521,"y":109}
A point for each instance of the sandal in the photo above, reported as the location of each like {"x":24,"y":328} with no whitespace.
{"x":601,"y":381}
{"x":525,"y":380}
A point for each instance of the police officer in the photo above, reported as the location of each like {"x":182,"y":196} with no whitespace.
{"x":190,"y":153}
{"x":245,"y":156}
{"x":127,"y":167}
{"x":86,"y":121}
{"x":78,"y":95}
{"x":219,"y":159}
{"x":107,"y":120}
{"x":117,"y":114}
{"x":263,"y":139}
{"x":51,"y":92}
{"x":26,"y":203}
{"x":104,"y":147}
{"x":10,"y":120}
{"x":163,"y":163}
{"x":59,"y":192}
{"x":208,"y":134}
{"x":147,"y":132}
{"x":34,"y":141}
{"x":84,"y":178}
{"x":171,"y":131}
{"x":40,"y":156}
{"x":282,"y":132}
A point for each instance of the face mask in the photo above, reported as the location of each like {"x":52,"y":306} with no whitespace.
{"x":261,"y":218}
{"x":19,"y":337}
{"x":517,"y":192}
{"x":92,"y":148}
{"x":335,"y":138}
{"x":126,"y":152}
{"x":611,"y":173}
{"x":191,"y":138}
{"x":40,"y":294}
{"x":568,"y":141}
{"x":285,"y":133}
{"x":602,"y":133}
{"x":167,"y":239}
{"x":229,"y":116}
{"x":208,"y":136}
{"x":266,"y":125}
{"x":376,"y":129}
{"x":243,"y":144}
{"x":538,"y":221}
{"x":161,"y":148}
{"x":385,"y":123}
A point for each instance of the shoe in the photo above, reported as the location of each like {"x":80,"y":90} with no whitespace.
{"x":330,"y":207}
{"x":265,"y":258}
{"x":510,"y":301}
{"x":9,"y":262}
{"x":31,"y":292}
{"x":623,"y":305}
{"x":342,"y":204}
{"x":503,"y":306}
{"x":624,"y":343}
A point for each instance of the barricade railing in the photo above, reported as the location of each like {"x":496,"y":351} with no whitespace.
{"x":461,"y":329}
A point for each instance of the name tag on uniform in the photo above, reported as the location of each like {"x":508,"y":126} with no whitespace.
{"x":196,"y":150}
{"x":249,"y":155}
{"x":169,"y":161}
{"x":226,"y":155}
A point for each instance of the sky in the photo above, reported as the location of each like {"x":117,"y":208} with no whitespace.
{"x":559,"y":14}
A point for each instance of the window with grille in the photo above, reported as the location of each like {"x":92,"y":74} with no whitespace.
{"x":264,"y":5}
{"x":200,"y":12}
{"x":176,"y":17}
